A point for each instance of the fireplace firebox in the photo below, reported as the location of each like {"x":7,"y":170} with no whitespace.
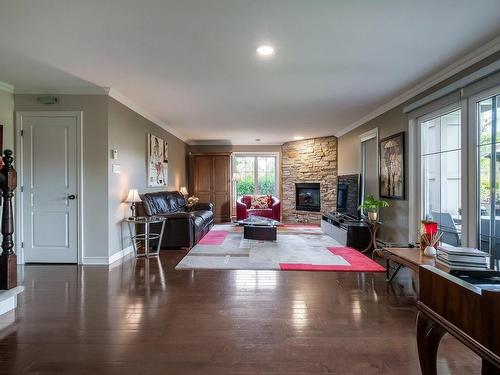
{"x":307,"y":197}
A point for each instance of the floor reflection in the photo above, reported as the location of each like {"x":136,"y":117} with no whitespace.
{"x":255,"y":280}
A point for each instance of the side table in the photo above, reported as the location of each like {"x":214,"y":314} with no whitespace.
{"x":147,"y":235}
{"x":372,"y":227}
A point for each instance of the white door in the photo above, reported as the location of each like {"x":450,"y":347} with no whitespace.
{"x":50,"y":209}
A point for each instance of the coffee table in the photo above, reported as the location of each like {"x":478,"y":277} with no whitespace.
{"x":259,"y":228}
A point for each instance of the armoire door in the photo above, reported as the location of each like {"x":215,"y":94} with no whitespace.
{"x":202,"y":178}
{"x":221,"y":188}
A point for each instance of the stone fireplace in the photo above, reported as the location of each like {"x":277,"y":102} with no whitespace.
{"x":308,"y":179}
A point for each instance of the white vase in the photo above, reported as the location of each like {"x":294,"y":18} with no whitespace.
{"x":372,"y":215}
{"x":430,"y":251}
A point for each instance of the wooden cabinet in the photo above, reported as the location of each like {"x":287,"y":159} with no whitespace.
{"x":210,"y":180}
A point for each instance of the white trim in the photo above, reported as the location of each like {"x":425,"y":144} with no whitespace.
{"x":95,"y":261}
{"x":4,"y":86}
{"x":8,"y":299}
{"x":413,"y":189}
{"x":366,"y":136}
{"x":120,"y":254}
{"x":96,"y":90}
{"x":127,"y":102}
{"x":19,"y":166}
{"x":472,"y":163}
{"x":193,"y":142}
{"x":465,"y":62}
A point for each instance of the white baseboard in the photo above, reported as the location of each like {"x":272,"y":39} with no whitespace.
{"x":8,"y":299}
{"x":120,"y":254}
{"x":106,"y":261}
{"x":96,"y":261}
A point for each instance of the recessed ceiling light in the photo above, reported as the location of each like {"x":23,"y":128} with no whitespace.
{"x":298,"y":138}
{"x":265,"y":50}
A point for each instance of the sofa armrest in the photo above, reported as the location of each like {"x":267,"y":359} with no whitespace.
{"x":241,"y":210}
{"x":201,"y":207}
{"x":276,"y":207}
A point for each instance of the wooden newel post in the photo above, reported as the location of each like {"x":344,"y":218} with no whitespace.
{"x":8,"y":260}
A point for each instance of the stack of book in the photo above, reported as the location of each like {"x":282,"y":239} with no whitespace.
{"x":462,"y":258}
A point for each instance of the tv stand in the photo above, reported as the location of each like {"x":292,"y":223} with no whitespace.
{"x":346,"y":230}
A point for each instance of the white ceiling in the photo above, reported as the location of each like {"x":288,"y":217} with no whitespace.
{"x":192,"y":63}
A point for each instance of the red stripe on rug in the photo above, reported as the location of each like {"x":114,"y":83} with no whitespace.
{"x":214,"y":237}
{"x":358,"y":263}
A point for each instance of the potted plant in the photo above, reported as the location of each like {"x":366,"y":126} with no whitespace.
{"x":371,"y":206}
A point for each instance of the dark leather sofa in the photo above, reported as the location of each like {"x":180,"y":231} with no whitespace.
{"x":185,"y":226}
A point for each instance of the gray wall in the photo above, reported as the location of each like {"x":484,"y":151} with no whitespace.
{"x":95,"y":167}
{"x":7,"y":118}
{"x":127,"y":133}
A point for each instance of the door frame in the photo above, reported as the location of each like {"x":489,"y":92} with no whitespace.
{"x":19,"y":164}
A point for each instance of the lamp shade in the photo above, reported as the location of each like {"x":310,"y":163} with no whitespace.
{"x":183,"y":190}
{"x":236,"y":177}
{"x":133,"y":196}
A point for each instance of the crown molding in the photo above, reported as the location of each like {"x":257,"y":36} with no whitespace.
{"x":127,"y":102}
{"x":4,"y":86}
{"x":470,"y":59}
{"x":61,"y":90}
{"x":108,"y":91}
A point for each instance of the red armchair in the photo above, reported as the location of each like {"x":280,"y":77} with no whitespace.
{"x":244,"y":209}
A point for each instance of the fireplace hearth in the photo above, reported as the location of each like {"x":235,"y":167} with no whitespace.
{"x":308,"y":197}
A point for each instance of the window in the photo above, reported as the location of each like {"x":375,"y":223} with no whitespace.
{"x":441,"y":180}
{"x":488,"y":178}
{"x":257,"y":174}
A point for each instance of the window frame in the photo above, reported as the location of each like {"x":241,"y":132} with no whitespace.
{"x":256,"y":155}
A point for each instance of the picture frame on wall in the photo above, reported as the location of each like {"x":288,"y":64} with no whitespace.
{"x":392,"y":167}
{"x":165,"y":152}
{"x":157,"y":168}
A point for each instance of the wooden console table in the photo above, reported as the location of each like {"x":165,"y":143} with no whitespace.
{"x":410,"y":257}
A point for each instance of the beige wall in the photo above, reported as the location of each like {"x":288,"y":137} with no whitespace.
{"x":95,"y":167}
{"x":127,"y":133}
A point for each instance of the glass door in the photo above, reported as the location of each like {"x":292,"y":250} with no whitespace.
{"x":488,"y":154}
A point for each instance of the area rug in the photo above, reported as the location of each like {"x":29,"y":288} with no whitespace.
{"x":304,"y":249}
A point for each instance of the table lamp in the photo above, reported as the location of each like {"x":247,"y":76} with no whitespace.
{"x":133,"y":197}
{"x":184,"y":191}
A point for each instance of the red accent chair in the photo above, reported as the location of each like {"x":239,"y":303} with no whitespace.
{"x":243,"y":208}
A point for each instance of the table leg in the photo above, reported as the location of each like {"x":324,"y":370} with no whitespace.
{"x":429,"y":334}
{"x":395,"y":272}
{"x":161,"y":237}
{"x":387,"y":269}
{"x":146,"y":239}
{"x":132,"y":238}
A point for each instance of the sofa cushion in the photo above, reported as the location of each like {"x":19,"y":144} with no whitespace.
{"x":261,"y":201}
{"x":199,"y":223}
{"x":264,"y":212}
{"x":163,"y":202}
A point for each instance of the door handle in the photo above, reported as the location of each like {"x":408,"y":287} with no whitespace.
{"x":71,"y":196}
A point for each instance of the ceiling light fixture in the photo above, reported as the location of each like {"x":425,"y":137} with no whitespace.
{"x":265,"y":50}
{"x":298,"y":138}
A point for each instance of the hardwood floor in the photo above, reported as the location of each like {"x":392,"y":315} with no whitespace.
{"x":142,"y":317}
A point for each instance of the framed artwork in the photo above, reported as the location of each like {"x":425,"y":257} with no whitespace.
{"x":165,"y":153}
{"x":157,"y":168}
{"x":392,"y":167}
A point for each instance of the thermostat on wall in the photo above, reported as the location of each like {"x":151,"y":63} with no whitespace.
{"x":116,"y":168}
